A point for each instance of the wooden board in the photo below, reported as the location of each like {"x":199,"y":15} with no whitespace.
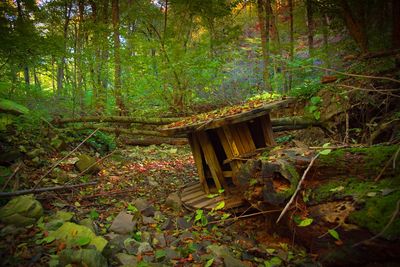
{"x":267,"y":130}
{"x":198,"y":159}
{"x":193,"y":197}
{"x":227,"y":120}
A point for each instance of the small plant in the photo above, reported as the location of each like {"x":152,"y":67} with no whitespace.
{"x":314,"y":106}
{"x":200,"y":218}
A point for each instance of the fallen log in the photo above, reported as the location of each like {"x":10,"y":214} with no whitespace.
{"x":346,"y":208}
{"x":147,"y":141}
{"x":117,"y":130}
{"x":117,"y":119}
{"x":44,"y":189}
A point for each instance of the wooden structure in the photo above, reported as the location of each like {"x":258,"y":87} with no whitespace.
{"x":220,"y":146}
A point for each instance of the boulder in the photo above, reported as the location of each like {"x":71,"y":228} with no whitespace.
{"x":82,"y":257}
{"x":87,"y":163}
{"x":21,"y":211}
{"x":174,"y":201}
{"x":124,"y":223}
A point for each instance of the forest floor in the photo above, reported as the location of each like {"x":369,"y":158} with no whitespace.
{"x":129,"y":208}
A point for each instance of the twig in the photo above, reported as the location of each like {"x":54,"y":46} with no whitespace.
{"x":298,"y":188}
{"x":61,"y":160}
{"x":395,"y":158}
{"x":11,"y":176}
{"x":334,"y":228}
{"x":101,"y":194}
{"x":394,"y":215}
{"x":245,"y":216}
{"x":44,"y":189}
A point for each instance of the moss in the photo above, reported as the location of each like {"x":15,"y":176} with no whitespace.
{"x":376,"y":214}
{"x":294,"y":179}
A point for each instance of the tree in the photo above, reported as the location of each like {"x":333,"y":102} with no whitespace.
{"x":117,"y":57}
{"x":264,"y":22}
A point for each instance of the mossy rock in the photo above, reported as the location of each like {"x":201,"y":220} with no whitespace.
{"x":87,"y":163}
{"x":82,"y":257}
{"x":21,"y":211}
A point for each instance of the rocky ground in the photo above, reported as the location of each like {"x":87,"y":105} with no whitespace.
{"x":133,"y":217}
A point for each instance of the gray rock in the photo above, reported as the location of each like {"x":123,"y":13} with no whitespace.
{"x":186,"y":236}
{"x":171,"y":254}
{"x":159,"y":240}
{"x":174,"y":201}
{"x":131,"y":246}
{"x":127,"y":260}
{"x":144,"y":247}
{"x":85,"y":257}
{"x":224,"y":253}
{"x":123,"y":223}
{"x":21,"y":211}
{"x":149,"y":211}
{"x":167,"y":225}
{"x":148,"y":220}
{"x":141,"y":204}
{"x":183,"y":224}
{"x":115,"y":245}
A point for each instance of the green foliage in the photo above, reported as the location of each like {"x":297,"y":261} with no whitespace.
{"x":307,"y":89}
{"x":334,"y":234}
{"x":314,"y":107}
{"x":200,"y":218}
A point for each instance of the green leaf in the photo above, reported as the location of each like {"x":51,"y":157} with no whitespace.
{"x":49,"y":239}
{"x":204,"y":220}
{"x":253,"y":182}
{"x":209,"y":262}
{"x":212,"y":195}
{"x":94,"y":215}
{"x":325,"y":152}
{"x":315,"y":100}
{"x":132,"y":208}
{"x":199,"y":214}
{"x":305,"y":222}
{"x":274,"y":261}
{"x":317,"y":115}
{"x":225,"y":216}
{"x":220,"y":205}
{"x":334,"y":234}
{"x":326,"y":145}
{"x":220,"y":191}
{"x":160,"y":254}
{"x":270,"y":250}
{"x":83,"y":241}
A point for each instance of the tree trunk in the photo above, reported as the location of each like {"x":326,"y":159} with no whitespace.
{"x":26,"y":77}
{"x":291,"y":39}
{"x":117,"y":58}
{"x":396,"y":28}
{"x":264,"y":23}
{"x":79,"y":52}
{"x":310,"y":26}
{"x":354,"y":26}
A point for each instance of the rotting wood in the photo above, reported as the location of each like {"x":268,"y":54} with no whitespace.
{"x":118,"y":119}
{"x":147,"y":141}
{"x":44,"y":189}
{"x":198,"y":160}
{"x":267,"y":130}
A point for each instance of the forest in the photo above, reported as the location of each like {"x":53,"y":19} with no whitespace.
{"x":199,"y":133}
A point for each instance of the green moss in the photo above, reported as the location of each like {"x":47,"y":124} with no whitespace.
{"x":376,"y":214}
{"x":294,"y":179}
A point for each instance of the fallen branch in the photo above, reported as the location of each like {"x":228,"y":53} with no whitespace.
{"x":44,"y":189}
{"x":298,"y":188}
{"x":118,"y":130}
{"x":61,"y":160}
{"x":11,"y":176}
{"x":118,"y":119}
{"x":147,"y":141}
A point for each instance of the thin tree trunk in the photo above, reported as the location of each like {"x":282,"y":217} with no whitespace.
{"x":325,"y":32}
{"x":26,"y":77}
{"x":117,"y":57}
{"x":79,"y":46}
{"x":291,"y":51}
{"x":36,"y":78}
{"x":396,"y":28}
{"x":310,"y":26}
{"x":264,"y":23}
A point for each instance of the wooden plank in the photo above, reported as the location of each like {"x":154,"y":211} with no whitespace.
{"x":193,"y":195}
{"x":231,"y":141}
{"x":235,"y":166}
{"x":208,"y":202}
{"x":267,"y":130}
{"x":236,"y":139}
{"x":245,"y":137}
{"x":211,"y":159}
{"x":228,"y":173}
{"x":196,"y":150}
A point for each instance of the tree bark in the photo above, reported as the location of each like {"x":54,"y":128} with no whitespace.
{"x":264,"y":23}
{"x":291,"y":39}
{"x":396,"y":28}
{"x":354,"y":26}
{"x":310,"y":26}
{"x":117,"y":57}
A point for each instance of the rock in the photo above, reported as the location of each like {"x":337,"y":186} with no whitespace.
{"x":141,"y":204}
{"x":171,"y":254}
{"x":186,"y":236}
{"x":144,"y":247}
{"x":87,"y":163}
{"x":174,"y":201}
{"x":149,"y":211}
{"x":79,"y":232}
{"x":245,"y":243}
{"x":115,"y":245}
{"x":131,"y":246}
{"x":123,"y":223}
{"x":183,"y":224}
{"x":21,"y":211}
{"x":224,"y":253}
{"x":146,"y":237}
{"x":159,"y":240}
{"x":167,"y":225}
{"x":58,"y":219}
{"x":89,"y":224}
{"x":82,"y":257}
{"x":148,"y":220}
{"x":127,"y":260}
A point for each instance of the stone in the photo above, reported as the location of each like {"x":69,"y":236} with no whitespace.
{"x":115,"y":245}
{"x":171,"y":254}
{"x":141,"y":204}
{"x":144,"y":247}
{"x":224,"y":253}
{"x":148,"y":220}
{"x":183,"y":224}
{"x":186,"y":236}
{"x":87,"y":163}
{"x":245,"y":242}
{"x":167,"y":225}
{"x":131,"y":246}
{"x":146,"y":237}
{"x":158,"y":216}
{"x":159,"y":240}
{"x":127,"y":260}
{"x":21,"y":211}
{"x":149,"y":211}
{"x":174,"y":201}
{"x":123,"y":223}
{"x":89,"y":224}
{"x":82,"y":257}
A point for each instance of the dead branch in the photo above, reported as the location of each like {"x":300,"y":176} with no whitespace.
{"x":44,"y":189}
{"x":118,"y":119}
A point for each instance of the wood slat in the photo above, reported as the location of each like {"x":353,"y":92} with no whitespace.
{"x":197,"y":156}
{"x":245,"y":137}
{"x":193,"y":195}
{"x":267,"y":130}
{"x":211,"y":159}
{"x":235,"y":165}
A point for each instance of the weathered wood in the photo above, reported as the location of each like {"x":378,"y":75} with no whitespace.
{"x":197,"y":156}
{"x":267,"y":130}
{"x":211,"y":159}
{"x":117,"y":119}
{"x":118,"y":130}
{"x":245,"y":137}
{"x":235,"y":166}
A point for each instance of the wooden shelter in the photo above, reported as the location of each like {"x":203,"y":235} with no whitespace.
{"x":221,"y":142}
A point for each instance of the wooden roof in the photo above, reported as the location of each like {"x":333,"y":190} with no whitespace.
{"x":221,"y":117}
